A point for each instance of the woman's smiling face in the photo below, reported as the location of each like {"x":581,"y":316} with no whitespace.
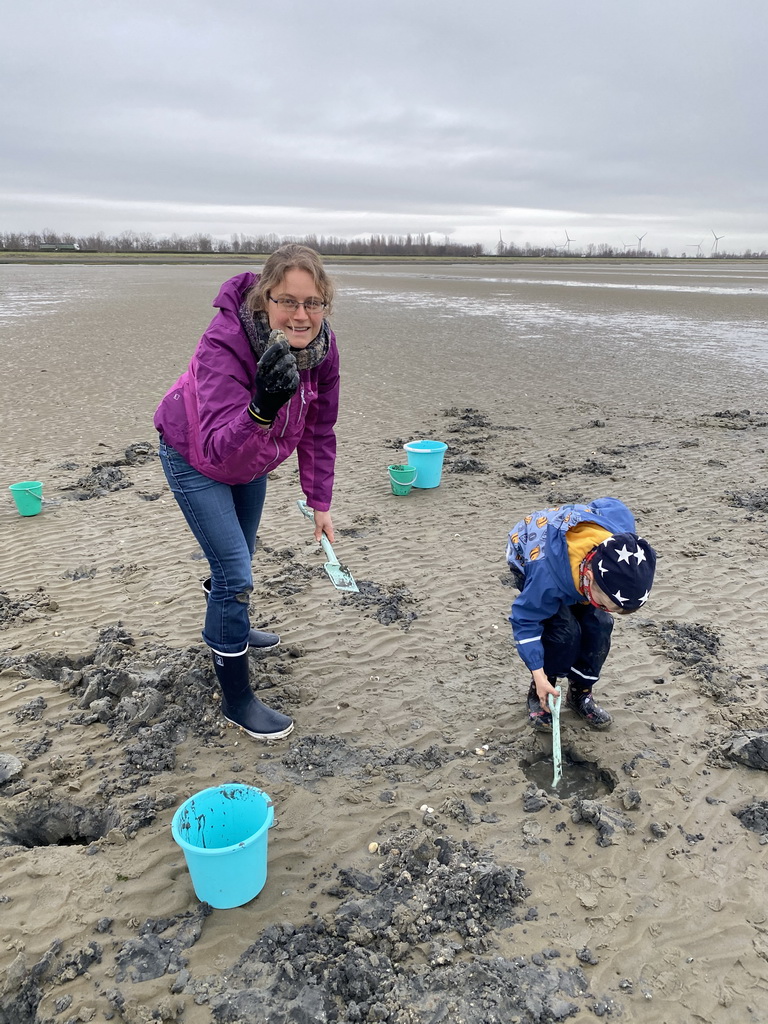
{"x":300,"y":326}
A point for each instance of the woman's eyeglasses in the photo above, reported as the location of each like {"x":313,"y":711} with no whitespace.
{"x":291,"y":305}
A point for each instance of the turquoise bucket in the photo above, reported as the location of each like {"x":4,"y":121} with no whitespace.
{"x":28,"y":496}
{"x":427,"y":458}
{"x":223,"y":833}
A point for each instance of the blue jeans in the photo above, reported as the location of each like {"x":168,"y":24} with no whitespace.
{"x":224,"y":521}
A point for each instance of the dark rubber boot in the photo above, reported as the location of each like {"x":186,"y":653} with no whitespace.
{"x":538,"y":718}
{"x":239,"y":705}
{"x":257,"y":639}
{"x":582,"y":702}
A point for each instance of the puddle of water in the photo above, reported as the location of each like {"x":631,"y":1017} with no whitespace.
{"x":580,"y":778}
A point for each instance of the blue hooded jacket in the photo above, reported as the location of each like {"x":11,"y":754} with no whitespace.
{"x":537,"y":547}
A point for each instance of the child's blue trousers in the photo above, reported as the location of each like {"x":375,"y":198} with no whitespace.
{"x":576,"y":643}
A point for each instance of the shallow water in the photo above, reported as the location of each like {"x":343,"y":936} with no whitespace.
{"x":117,"y":337}
{"x":581,"y":779}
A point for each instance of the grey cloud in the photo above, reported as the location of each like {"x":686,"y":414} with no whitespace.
{"x":437,"y":109}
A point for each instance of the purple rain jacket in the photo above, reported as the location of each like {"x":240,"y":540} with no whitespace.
{"x":204,"y":415}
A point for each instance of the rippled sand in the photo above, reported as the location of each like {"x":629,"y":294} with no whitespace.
{"x":549,"y":385}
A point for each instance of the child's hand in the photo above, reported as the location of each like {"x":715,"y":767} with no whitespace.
{"x":543,"y":687}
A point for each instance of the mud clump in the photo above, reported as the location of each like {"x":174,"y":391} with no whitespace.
{"x":528,"y":477}
{"x":392,"y":950}
{"x":690,"y":645}
{"x":467,"y":465}
{"x":27,"y":607}
{"x":387,"y":606}
{"x":468,"y":418}
{"x":108,"y":476}
{"x":160,"y":945}
{"x":24,"y":986}
{"x":749,"y":748}
{"x":755,"y":818}
{"x":754,"y":501}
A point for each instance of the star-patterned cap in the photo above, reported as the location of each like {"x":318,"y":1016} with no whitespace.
{"x":623,"y":566}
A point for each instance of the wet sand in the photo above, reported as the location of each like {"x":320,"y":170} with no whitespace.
{"x":637,"y":893}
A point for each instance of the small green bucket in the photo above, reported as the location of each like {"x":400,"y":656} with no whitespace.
{"x":28,"y":496}
{"x":401,"y":478}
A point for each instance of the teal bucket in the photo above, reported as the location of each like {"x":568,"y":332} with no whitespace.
{"x":427,"y":458}
{"x":223,"y":833}
{"x":401,"y":479}
{"x":28,"y":496}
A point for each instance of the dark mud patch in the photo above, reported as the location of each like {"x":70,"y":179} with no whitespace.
{"x":314,"y":757}
{"x":468,"y":419}
{"x":596,"y":467}
{"x":525,"y":476}
{"x":589,"y":425}
{"x":99,"y":481}
{"x":411,"y":940}
{"x":150,"y":701}
{"x":630,"y":449}
{"x":694,"y":649}
{"x":749,"y":747}
{"x":292,"y":577}
{"x":607,"y":821}
{"x":363,"y":525}
{"x":467,"y":465}
{"x":26,"y":607}
{"x":82,"y":572}
{"x":387,"y":605}
{"x":755,"y":818}
{"x":395,"y":949}
{"x":754,"y":501}
{"x":106,"y":477}
{"x":25,"y":985}
{"x":733,"y":419}
{"x":158,"y":949}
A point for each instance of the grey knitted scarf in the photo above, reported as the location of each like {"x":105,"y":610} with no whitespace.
{"x":256,"y":327}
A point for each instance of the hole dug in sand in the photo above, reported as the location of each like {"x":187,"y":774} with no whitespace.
{"x":55,"y":823}
{"x":581,"y":778}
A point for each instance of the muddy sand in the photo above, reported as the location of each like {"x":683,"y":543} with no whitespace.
{"x":421,"y":867}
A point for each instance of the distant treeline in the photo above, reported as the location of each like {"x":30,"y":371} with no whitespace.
{"x":327,"y":245}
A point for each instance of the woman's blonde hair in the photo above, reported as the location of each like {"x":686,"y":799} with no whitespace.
{"x":289,"y":257}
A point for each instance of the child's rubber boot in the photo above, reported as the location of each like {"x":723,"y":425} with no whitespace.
{"x":539,"y":719}
{"x":258,"y":640}
{"x":239,"y":705}
{"x":582,"y":702}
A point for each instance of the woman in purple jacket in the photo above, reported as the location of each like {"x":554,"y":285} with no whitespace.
{"x":262,"y":383}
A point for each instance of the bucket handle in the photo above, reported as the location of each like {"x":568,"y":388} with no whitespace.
{"x":400,"y":482}
{"x":40,"y":498}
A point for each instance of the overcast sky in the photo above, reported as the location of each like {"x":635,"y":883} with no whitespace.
{"x":605,"y":119}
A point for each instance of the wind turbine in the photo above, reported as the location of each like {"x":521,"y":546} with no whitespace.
{"x":567,"y":243}
{"x":717,"y":239}
{"x":640,"y":241}
{"x":698,"y":247}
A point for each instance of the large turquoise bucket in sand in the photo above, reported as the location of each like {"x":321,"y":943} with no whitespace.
{"x":427,"y":458}
{"x":223,"y":833}
{"x":28,"y":496}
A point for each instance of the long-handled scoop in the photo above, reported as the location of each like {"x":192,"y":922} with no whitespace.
{"x":339,"y":574}
{"x":557,"y":753}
